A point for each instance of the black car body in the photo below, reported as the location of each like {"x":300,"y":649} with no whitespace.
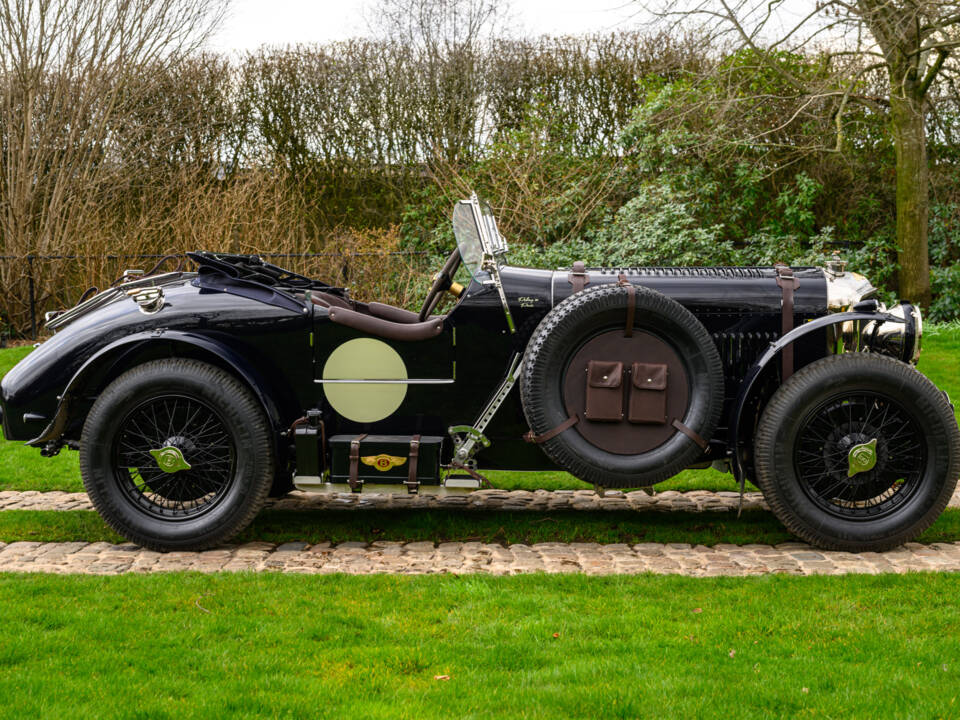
{"x":283,"y":338}
{"x":280,"y":350}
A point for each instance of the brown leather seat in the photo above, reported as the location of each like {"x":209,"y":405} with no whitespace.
{"x":328,"y":300}
{"x":389,"y":329}
{"x":395,"y":314}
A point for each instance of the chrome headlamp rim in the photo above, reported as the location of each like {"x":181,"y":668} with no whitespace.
{"x":918,"y":319}
{"x":902,"y":339}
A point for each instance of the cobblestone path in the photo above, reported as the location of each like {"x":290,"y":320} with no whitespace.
{"x":472,"y":557}
{"x":696,"y":501}
{"x":539,"y":500}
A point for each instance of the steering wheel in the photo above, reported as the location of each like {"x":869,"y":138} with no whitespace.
{"x":442,"y":282}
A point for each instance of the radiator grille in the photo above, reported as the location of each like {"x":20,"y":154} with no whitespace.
{"x":739,"y":350}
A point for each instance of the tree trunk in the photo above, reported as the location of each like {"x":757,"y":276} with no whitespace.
{"x":913,"y":199}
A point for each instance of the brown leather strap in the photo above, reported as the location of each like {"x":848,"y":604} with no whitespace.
{"x":704,"y":445}
{"x":578,"y":276}
{"x":631,"y":303}
{"x":788,"y":284}
{"x":484,"y":483}
{"x":354,"y":478}
{"x":414,"y":456}
{"x":552,"y":433}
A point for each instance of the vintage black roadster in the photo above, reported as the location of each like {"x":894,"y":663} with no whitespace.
{"x":192,"y":396}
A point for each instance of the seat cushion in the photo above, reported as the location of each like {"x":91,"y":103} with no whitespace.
{"x":390,"y":312}
{"x":387,"y":328}
{"x":328,"y":300}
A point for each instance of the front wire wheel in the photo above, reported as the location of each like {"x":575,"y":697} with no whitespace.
{"x":857,"y":452}
{"x":859,"y":456}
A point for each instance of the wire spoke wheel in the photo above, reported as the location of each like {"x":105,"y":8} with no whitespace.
{"x":859,"y":456}
{"x":857,"y":452}
{"x":177,"y":454}
{"x":174,"y":457}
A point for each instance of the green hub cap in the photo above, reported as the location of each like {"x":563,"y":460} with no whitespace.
{"x":862,"y":457}
{"x":170,"y":459}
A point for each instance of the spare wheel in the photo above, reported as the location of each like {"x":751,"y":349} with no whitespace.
{"x":621,"y":405}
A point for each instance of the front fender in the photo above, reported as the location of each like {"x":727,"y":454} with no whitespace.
{"x":110,"y":355}
{"x":736,"y":436}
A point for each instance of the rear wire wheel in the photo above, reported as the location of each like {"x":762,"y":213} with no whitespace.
{"x":858,"y":452}
{"x":177,"y":455}
{"x":161,"y":432}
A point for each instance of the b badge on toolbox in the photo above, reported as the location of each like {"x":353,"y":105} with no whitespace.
{"x":383,"y":462}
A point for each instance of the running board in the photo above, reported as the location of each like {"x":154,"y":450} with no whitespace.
{"x":451,"y":486}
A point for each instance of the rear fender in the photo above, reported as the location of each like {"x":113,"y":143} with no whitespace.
{"x":104,"y":363}
{"x":747,"y":403}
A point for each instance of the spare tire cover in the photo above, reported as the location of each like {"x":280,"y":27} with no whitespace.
{"x":590,"y":326}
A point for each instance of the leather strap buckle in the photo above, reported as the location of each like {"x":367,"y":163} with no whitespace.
{"x":412,"y":482}
{"x":579,"y":277}
{"x":553,"y":432}
{"x":356,"y":484}
{"x":692,"y":434}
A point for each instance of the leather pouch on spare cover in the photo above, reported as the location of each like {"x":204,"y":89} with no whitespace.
{"x":648,"y":394}
{"x":604,"y":391}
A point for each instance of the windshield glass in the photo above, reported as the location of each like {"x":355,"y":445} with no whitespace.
{"x":468,"y":237}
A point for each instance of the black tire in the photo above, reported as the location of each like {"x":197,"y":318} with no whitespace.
{"x":803,"y":466}
{"x":219,"y":430}
{"x":282,"y":483}
{"x":588,"y":314}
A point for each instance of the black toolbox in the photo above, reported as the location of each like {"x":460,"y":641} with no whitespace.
{"x":385,"y":459}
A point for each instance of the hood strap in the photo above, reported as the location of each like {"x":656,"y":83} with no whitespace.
{"x":788,"y":283}
{"x":579,"y":277}
{"x":631,"y":303}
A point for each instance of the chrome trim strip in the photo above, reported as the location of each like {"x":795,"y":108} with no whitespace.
{"x":113,"y":294}
{"x":430,"y":381}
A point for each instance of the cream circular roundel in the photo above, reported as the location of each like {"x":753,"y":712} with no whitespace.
{"x":364,"y":360}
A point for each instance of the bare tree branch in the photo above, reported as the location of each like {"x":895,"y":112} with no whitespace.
{"x":69,"y":74}
{"x":915,"y":38}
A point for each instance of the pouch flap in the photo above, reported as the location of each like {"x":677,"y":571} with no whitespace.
{"x":649,"y":376}
{"x":602,"y":374}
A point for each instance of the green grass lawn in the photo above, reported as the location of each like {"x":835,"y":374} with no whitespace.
{"x":266,"y":645}
{"x":188,"y":645}
{"x":22,"y":468}
{"x":505,"y":527}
